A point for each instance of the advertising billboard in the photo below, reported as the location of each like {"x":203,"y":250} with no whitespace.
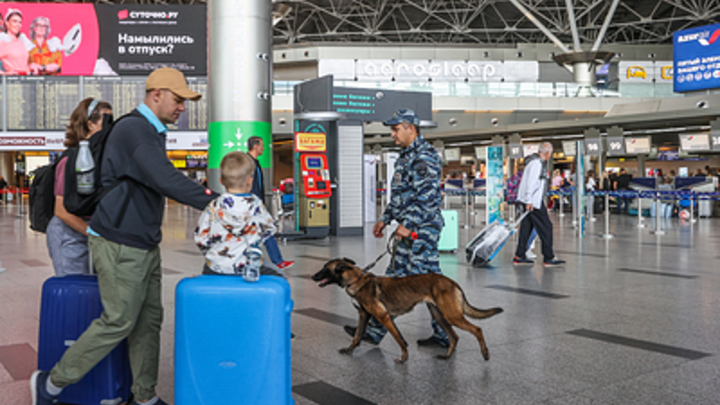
{"x":696,"y":59}
{"x":56,"y":39}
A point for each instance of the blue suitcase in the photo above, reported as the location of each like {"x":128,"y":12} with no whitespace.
{"x":232,"y":341}
{"x":69,"y":305}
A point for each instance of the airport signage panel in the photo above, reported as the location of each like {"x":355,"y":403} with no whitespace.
{"x":54,"y":140}
{"x":569,"y":148}
{"x":637,"y":146}
{"x":515,"y":151}
{"x":616,"y":145}
{"x":593,"y":146}
{"x":696,"y":58}
{"x":530,"y":148}
{"x":423,"y":70}
{"x":694,"y":142}
{"x":645,"y":71}
{"x":452,"y":154}
{"x":715,"y":136}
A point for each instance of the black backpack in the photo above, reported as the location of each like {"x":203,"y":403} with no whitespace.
{"x":42,"y":196}
{"x":84,"y":205}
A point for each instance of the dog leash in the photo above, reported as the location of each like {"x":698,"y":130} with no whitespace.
{"x":391,"y":248}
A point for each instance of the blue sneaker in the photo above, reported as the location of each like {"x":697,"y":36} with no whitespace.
{"x":40,"y":396}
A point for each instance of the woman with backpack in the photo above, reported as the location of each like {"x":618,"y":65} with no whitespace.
{"x":67,"y":233}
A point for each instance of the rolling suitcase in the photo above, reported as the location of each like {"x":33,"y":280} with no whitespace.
{"x":449,"y":234}
{"x":69,"y":305}
{"x":232,"y":341}
{"x":488,"y":243}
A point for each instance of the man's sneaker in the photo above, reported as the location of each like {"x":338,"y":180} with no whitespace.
{"x":553,"y":262}
{"x":350,"y":330}
{"x":530,"y":254}
{"x":40,"y":396}
{"x":285,"y":264}
{"x":522,"y":260}
{"x":433,"y":341}
{"x":158,"y":402}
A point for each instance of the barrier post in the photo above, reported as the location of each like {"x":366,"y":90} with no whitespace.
{"x":607,"y":234}
{"x":562,"y":208}
{"x":692,"y":207}
{"x":575,"y":211}
{"x":21,"y":212}
{"x":640,"y":220}
{"x":445,"y":197}
{"x":658,"y":228}
{"x":467,"y":209}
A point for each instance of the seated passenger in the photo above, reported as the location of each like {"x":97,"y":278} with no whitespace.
{"x":234,"y":221}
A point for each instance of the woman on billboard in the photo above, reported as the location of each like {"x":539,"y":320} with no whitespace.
{"x":45,"y":55}
{"x":13,"y":52}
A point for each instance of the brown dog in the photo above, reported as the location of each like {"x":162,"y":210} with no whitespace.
{"x":386,"y":297}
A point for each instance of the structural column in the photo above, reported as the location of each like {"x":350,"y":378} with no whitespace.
{"x":239,"y":82}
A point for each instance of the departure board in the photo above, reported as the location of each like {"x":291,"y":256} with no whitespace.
{"x":40,"y":103}
{"x":125,"y":93}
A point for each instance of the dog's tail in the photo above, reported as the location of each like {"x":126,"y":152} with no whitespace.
{"x":477,"y":313}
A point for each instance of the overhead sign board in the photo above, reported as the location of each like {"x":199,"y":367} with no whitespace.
{"x":616,"y":145}
{"x":696,"y":58}
{"x":637,"y":146}
{"x":593,"y":146}
{"x":694,"y":142}
{"x":645,"y":71}
{"x":452,"y":154}
{"x":530,"y":148}
{"x":515,"y":151}
{"x":414,"y":70}
{"x":379,"y":105}
{"x":569,"y":148}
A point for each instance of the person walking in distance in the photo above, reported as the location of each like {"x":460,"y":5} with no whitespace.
{"x":531,"y":194}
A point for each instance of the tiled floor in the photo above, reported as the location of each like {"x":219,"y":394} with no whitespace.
{"x":631,"y":320}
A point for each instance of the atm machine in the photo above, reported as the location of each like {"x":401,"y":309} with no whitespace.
{"x":314,"y":191}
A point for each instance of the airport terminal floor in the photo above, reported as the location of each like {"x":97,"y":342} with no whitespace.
{"x":630,"y":320}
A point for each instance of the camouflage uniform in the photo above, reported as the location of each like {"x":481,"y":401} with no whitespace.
{"x":415,"y":204}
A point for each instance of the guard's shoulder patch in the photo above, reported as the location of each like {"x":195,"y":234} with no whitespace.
{"x":420,"y":167}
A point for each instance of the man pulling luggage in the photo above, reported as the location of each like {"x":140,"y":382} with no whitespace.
{"x":531,"y":196}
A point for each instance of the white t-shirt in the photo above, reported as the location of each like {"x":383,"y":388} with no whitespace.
{"x":590,"y":186}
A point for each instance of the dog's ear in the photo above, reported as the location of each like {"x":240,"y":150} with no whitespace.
{"x":349,"y":260}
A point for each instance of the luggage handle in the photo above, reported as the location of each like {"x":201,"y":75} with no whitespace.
{"x":517,"y":223}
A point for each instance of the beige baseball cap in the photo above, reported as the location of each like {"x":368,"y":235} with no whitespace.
{"x":171,"y":79}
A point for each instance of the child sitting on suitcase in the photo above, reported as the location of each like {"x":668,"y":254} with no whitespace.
{"x":234,"y":221}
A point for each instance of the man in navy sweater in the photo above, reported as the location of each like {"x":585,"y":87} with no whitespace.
{"x":124,"y":240}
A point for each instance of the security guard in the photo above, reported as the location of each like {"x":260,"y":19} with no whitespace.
{"x":415,"y":205}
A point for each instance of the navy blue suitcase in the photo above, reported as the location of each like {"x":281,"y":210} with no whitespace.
{"x":232,"y":341}
{"x":69,"y":305}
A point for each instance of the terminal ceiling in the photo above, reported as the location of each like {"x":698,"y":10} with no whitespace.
{"x":484,"y":21}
